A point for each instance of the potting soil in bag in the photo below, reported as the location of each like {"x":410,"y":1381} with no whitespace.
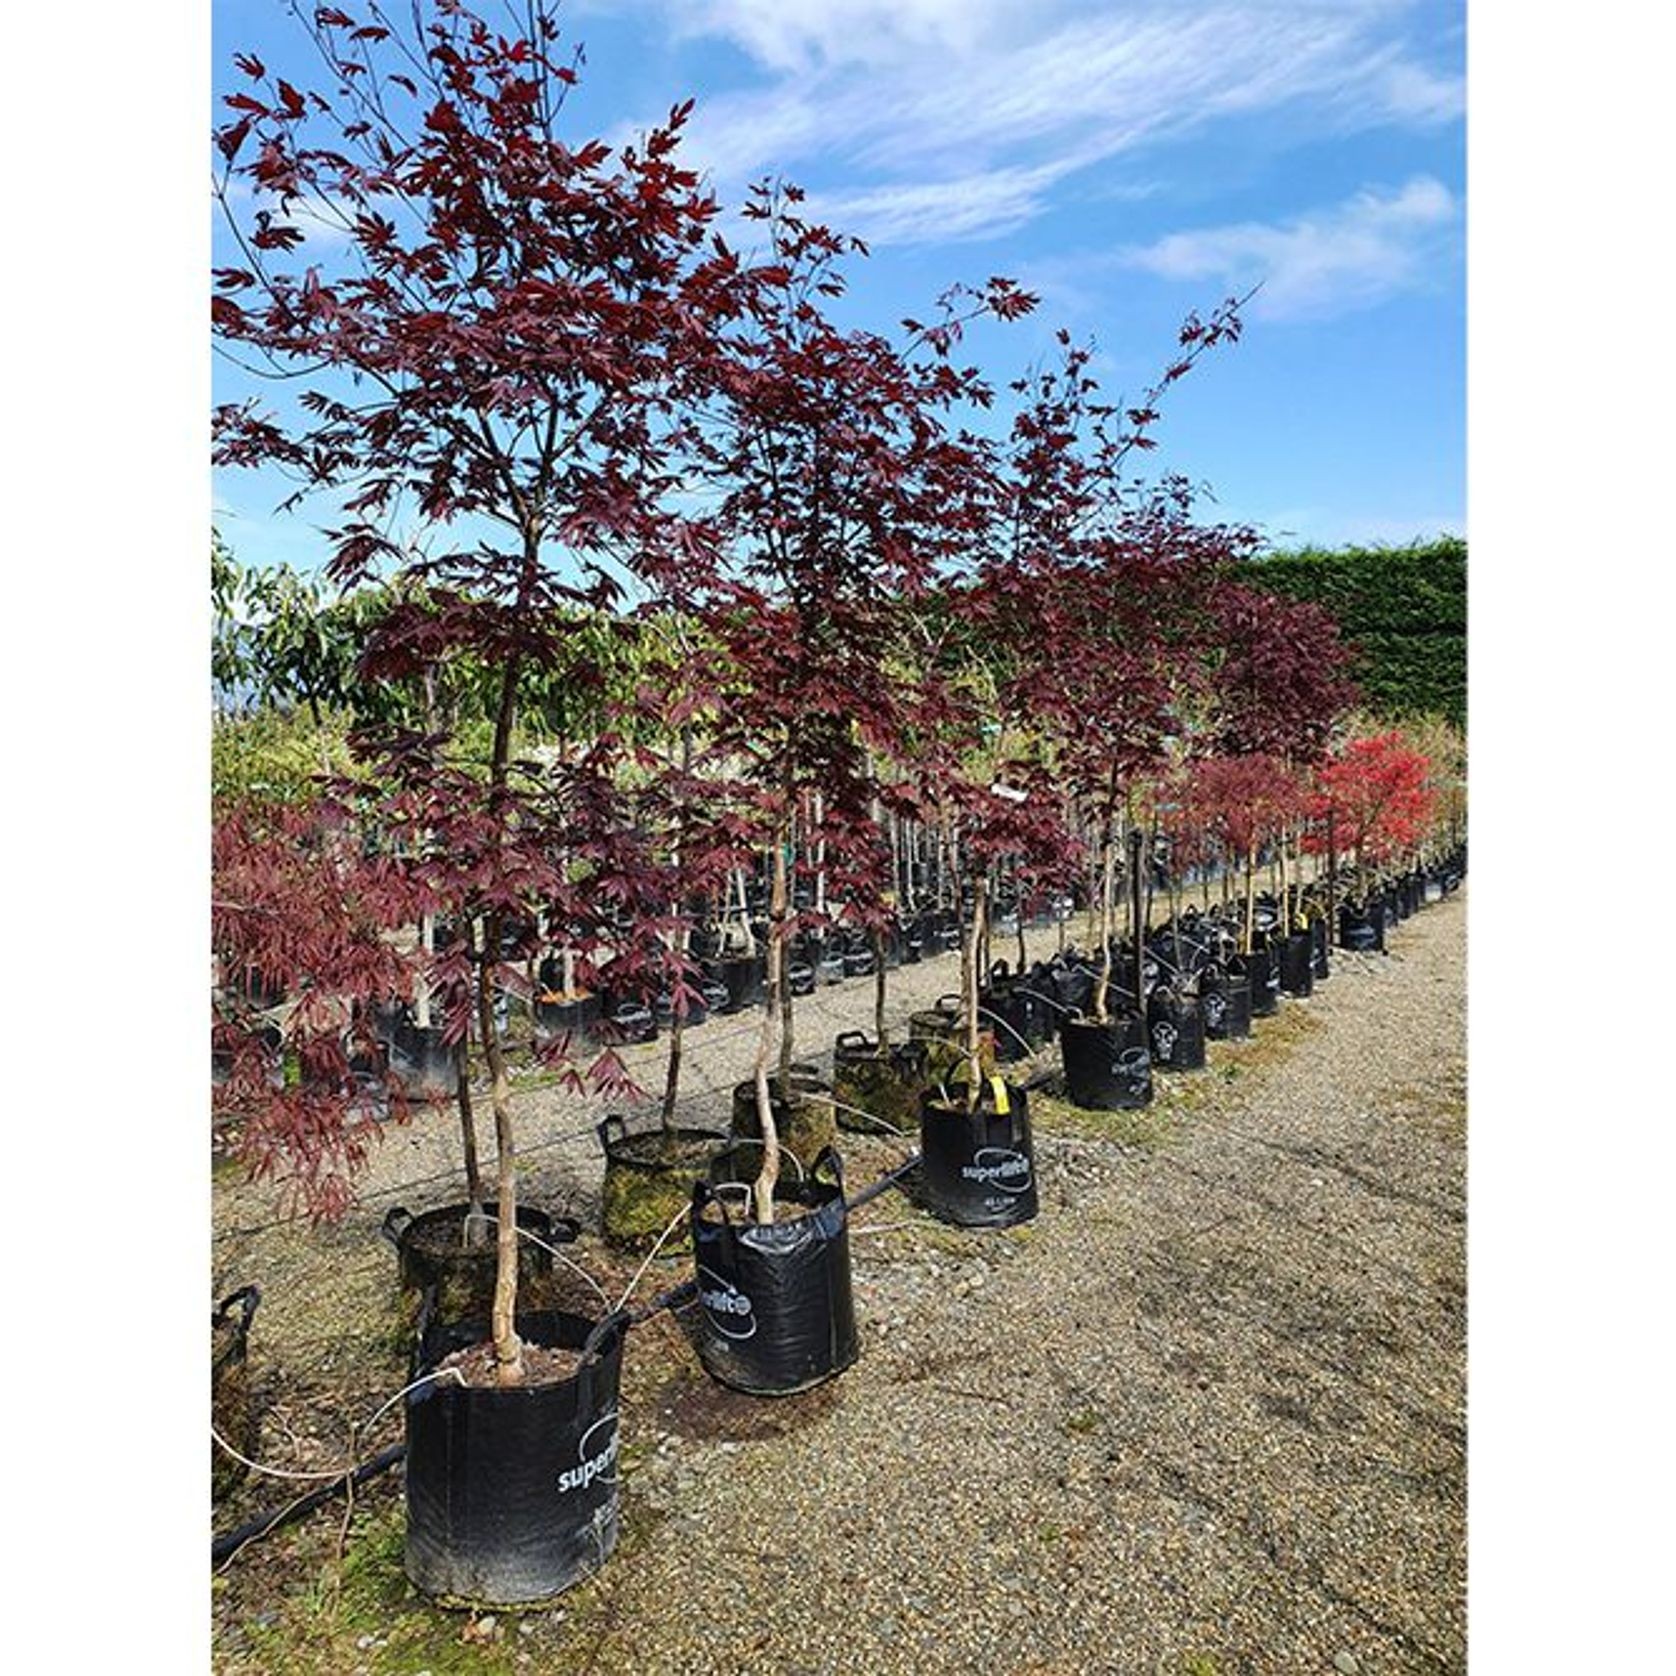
{"x":512,"y":1491}
{"x":776,"y":1314}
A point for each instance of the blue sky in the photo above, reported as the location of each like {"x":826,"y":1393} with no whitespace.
{"x":1129,"y":162}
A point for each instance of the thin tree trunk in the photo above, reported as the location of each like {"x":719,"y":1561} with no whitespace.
{"x":763,"y":1190}
{"x":1108,"y":874}
{"x":1250,"y":897}
{"x":971,"y":938}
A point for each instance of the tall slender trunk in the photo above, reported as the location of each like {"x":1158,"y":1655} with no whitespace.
{"x":971,"y":937}
{"x":1285,"y":882}
{"x":1250,"y":897}
{"x":762,"y":1191}
{"x":682,"y":941}
{"x":1108,"y":875}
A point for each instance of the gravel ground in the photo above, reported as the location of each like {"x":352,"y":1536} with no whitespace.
{"x":1205,"y":1416}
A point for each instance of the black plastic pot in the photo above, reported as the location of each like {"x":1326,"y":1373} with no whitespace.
{"x":830,"y":968}
{"x":776,"y":1314}
{"x":977,"y":1167}
{"x":512,"y":1491}
{"x":432,"y":1256}
{"x":232,"y":1406}
{"x":1176,"y":1031}
{"x":800,"y":977}
{"x":648,"y":1180}
{"x":858,"y":963}
{"x":1319,"y":941}
{"x":1297,"y":964}
{"x":1108,"y":1067}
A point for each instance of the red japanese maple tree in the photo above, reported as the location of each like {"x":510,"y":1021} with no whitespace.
{"x":841,"y":487}
{"x":491,"y":340}
{"x":1378,"y":791}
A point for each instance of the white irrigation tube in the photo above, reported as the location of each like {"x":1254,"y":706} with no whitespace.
{"x":366,"y":1425}
{"x":674,"y":1222}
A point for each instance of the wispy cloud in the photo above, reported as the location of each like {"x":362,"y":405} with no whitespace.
{"x":916,"y":99}
{"x":1349,"y":256}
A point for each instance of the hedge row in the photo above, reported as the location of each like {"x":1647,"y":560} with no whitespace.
{"x":1404,"y":609}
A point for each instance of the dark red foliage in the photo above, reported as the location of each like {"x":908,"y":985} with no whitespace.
{"x":1281,"y":682}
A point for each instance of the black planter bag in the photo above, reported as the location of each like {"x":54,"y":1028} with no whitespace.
{"x":1297,"y":964}
{"x":1357,"y":930}
{"x":1176,"y":1030}
{"x":630,"y":1022}
{"x":743,"y":978}
{"x":1013,"y":1014}
{"x":776,"y":1314}
{"x":431,"y":1256}
{"x":1225,"y":1002}
{"x":567,"y":1018}
{"x":1108,"y":1067}
{"x":1319,"y":942}
{"x":884,"y":1081}
{"x":1262,"y":967}
{"x":421,"y":1063}
{"x":232,"y":1407}
{"x":800,"y":978}
{"x":977,"y":1168}
{"x":512,"y":1493}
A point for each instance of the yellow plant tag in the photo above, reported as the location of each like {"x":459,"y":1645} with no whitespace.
{"x":998,"y":1088}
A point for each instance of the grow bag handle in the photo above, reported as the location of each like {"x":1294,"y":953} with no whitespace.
{"x":397,"y":1220}
{"x":247,"y":1296}
{"x":605,"y":1334}
{"x":854,"y":1038}
{"x":828,"y":1158}
{"x":1000,"y":969}
{"x":608,"y":1136}
{"x":566,"y":1229}
{"x":948,"y":1004}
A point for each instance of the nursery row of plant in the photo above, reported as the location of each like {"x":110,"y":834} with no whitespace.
{"x":742,"y":650}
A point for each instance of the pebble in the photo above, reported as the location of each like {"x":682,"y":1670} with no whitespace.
{"x":1347,"y":1663}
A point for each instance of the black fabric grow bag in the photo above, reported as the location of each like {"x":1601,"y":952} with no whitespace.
{"x":566,"y":1018}
{"x":1108,"y":1067}
{"x":1176,"y":1031}
{"x":1319,"y":942}
{"x":512,"y":1492}
{"x":742,"y":976}
{"x":1225,"y":1002}
{"x":421,"y":1062}
{"x":977,"y":1168}
{"x":232,"y":1406}
{"x":1297,"y":964}
{"x":776,"y":1315}
{"x":806,"y":1123}
{"x":647,"y":1179}
{"x":876,"y":1089}
{"x":1262,"y":967}
{"x":431,"y":1256}
{"x":1357,"y":930}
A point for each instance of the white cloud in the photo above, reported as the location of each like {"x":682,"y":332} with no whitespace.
{"x":1352,"y":255}
{"x":919,"y":97}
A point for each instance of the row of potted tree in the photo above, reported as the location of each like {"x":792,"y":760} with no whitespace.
{"x":852,"y":603}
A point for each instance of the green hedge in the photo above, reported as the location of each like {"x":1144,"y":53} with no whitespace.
{"x":1403,"y":609}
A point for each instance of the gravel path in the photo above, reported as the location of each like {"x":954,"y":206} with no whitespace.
{"x":1206,"y":1416}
